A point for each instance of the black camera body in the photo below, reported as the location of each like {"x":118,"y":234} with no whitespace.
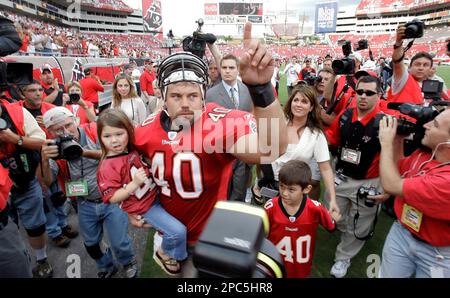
{"x":14,"y":73}
{"x":363,"y":44}
{"x":68,"y":149}
{"x":311,"y":78}
{"x":196,"y":44}
{"x":74,"y":99}
{"x":404,"y":127}
{"x":432,"y":89}
{"x":345,"y":66}
{"x":233,"y":244}
{"x":414,"y":29}
{"x":363,"y":192}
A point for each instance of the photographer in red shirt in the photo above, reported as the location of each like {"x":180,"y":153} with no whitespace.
{"x":419,"y":242}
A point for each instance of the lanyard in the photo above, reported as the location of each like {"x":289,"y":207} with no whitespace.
{"x":421,"y":172}
{"x":82,"y":169}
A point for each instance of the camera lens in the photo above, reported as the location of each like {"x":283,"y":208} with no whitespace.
{"x":411,"y":30}
{"x":74,"y":98}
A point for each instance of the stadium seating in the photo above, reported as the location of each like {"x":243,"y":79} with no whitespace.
{"x":144,"y":45}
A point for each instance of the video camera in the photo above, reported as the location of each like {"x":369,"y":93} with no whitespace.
{"x":432,"y":89}
{"x":346,"y":65}
{"x":421,"y":114}
{"x":233,"y":244}
{"x":414,"y":29}
{"x":310,"y":79}
{"x":68,"y":149}
{"x":12,"y":73}
{"x":363,"y":44}
{"x":196,"y":44}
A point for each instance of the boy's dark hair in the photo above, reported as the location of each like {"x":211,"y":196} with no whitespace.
{"x":295,"y":172}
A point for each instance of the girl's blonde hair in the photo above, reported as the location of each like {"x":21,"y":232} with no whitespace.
{"x":73,"y":84}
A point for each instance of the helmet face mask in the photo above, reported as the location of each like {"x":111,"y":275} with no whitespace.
{"x":182,"y":67}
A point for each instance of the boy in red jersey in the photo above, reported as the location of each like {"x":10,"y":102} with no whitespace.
{"x":294,"y":219}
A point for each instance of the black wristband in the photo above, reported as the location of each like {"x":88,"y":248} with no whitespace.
{"x":262,"y":95}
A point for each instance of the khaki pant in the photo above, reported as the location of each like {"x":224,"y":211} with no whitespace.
{"x":349,"y":246}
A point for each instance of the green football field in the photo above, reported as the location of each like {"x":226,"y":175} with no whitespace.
{"x":363,"y":265}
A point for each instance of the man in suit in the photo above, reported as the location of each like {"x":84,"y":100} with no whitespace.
{"x":231,"y":93}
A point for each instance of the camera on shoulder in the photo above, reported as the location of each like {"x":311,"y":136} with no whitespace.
{"x":196,"y":44}
{"x":346,"y":65}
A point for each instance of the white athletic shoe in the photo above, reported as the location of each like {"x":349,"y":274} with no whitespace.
{"x":339,"y":268}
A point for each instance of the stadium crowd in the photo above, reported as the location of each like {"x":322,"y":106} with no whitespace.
{"x":135,"y":162}
{"x":42,"y":38}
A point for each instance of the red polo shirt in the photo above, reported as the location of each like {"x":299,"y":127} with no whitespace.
{"x":146,"y":81}
{"x":91,"y":87}
{"x":429,"y":193}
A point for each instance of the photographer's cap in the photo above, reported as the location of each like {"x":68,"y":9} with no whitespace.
{"x":363,"y":73}
{"x":56,"y":115}
{"x":45,"y":67}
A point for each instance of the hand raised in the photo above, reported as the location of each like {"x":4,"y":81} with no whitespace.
{"x":256,"y":62}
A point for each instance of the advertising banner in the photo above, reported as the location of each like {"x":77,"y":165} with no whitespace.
{"x":326,"y":16}
{"x":151,"y":13}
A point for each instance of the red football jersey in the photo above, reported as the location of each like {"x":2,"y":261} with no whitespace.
{"x":295,"y":236}
{"x":191,"y":166}
{"x":116,"y":171}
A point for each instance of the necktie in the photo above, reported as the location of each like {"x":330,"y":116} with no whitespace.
{"x":233,"y":98}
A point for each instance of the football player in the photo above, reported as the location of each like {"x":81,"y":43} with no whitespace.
{"x":190,"y":145}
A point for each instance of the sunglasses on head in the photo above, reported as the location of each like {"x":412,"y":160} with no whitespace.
{"x":367,"y":92}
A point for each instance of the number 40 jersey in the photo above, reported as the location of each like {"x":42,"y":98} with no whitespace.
{"x":295,"y":235}
{"x":192,"y":166}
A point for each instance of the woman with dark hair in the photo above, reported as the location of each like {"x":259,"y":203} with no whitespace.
{"x":126,"y":99}
{"x":307,"y":141}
